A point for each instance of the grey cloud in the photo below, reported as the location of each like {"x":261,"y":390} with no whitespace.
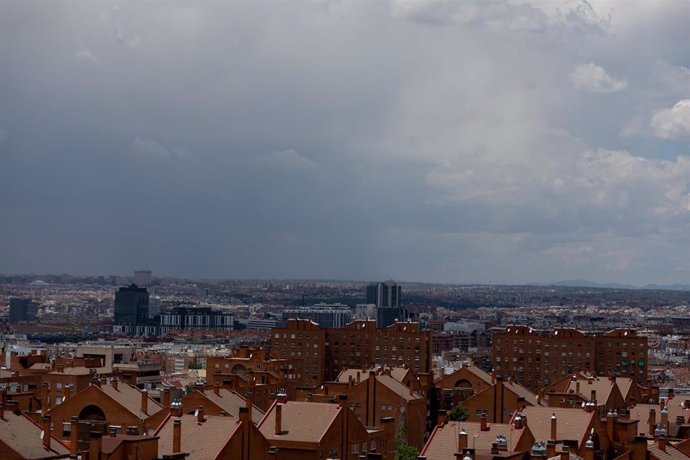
{"x":274,"y":139}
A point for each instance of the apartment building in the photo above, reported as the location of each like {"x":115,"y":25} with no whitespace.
{"x":325,"y":352}
{"x":538,"y":358}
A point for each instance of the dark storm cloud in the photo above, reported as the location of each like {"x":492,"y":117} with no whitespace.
{"x":484,"y":141}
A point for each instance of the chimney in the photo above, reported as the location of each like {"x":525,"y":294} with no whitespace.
{"x":550,"y":448}
{"x":577,"y":387}
{"x":96,"y":381}
{"x":142,"y":427}
{"x":60,"y":367}
{"x":114,"y":383}
{"x":177,"y":436}
{"x":216,"y":389}
{"x":442,"y":418}
{"x":664,"y":418}
{"x":279,"y":419}
{"x":462,"y":440}
{"x":652,"y":421}
{"x":483,"y":426}
{"x":3,"y":396}
{"x":95,"y":445}
{"x":200,"y":414}
{"x":74,"y":437}
{"x":610,"y":422}
{"x":176,"y":408}
{"x":359,"y":376}
{"x":554,"y":427}
{"x":13,"y":406}
{"x":144,"y":401}
{"x":593,"y":396}
{"x":166,"y":397}
{"x":44,"y":397}
{"x":671,"y":394}
{"x":639,"y":451}
{"x":46,"y":431}
{"x":589,"y":449}
{"x":494,"y":448}
{"x":662,"y":443}
{"x":565,"y":454}
{"x":244,"y":415}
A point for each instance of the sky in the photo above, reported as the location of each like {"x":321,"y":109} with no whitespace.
{"x":487,"y":141}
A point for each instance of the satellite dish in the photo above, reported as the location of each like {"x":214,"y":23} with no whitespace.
{"x":196,"y":413}
{"x":43,"y":433}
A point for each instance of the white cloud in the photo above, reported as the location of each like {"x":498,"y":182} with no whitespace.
{"x":673,"y":123}
{"x":87,"y":55}
{"x":290,"y":159}
{"x":151,"y":147}
{"x":594,"y":78}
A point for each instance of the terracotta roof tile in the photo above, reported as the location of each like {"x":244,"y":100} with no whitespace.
{"x":24,"y":437}
{"x":443,"y":442}
{"x":571,"y":424}
{"x":230,"y":402}
{"x":203,"y":441}
{"x":301,"y":421}
{"x":670,"y":452}
{"x":397,"y":387}
{"x":130,"y":397}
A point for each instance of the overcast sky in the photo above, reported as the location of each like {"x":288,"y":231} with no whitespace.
{"x":502,"y":141}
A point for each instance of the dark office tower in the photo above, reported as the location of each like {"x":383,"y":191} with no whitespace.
{"x":131,"y":305}
{"x":386,"y":297}
{"x":22,"y":310}
{"x":384,"y":294}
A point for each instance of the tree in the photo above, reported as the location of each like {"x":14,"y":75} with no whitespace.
{"x":458,"y":414}
{"x":402,"y":450}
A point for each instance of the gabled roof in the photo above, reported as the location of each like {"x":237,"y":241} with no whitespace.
{"x":479,"y":373}
{"x":641,"y":412}
{"x":230,"y":402}
{"x":670,"y":452}
{"x":624,"y":385}
{"x":398,"y":388}
{"x":23,"y":436}
{"x":300,"y":421}
{"x":518,"y":389}
{"x":111,"y":443}
{"x":398,"y":373}
{"x":203,"y":441}
{"x":443,"y":442}
{"x":571,"y":424}
{"x":130,"y":398}
{"x":603,"y":386}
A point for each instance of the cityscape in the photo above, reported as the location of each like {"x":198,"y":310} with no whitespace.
{"x":145,"y":366}
{"x":345,"y":230}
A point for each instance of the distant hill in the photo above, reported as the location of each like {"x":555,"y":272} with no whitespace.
{"x":592,"y":284}
{"x":668,"y":287}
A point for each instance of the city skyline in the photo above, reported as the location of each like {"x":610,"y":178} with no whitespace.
{"x":497,"y":142}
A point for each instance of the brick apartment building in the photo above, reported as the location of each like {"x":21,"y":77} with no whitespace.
{"x":323,"y":353}
{"x":252,"y":370}
{"x":538,"y":358}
